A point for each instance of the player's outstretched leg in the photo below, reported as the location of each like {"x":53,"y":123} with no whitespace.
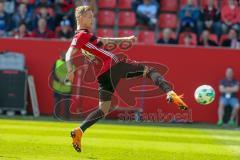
{"x":164,"y":85}
{"x":91,"y":119}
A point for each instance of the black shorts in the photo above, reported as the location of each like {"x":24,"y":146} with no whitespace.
{"x":108,"y":81}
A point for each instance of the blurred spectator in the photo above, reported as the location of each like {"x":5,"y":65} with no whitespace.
{"x":205,"y":41}
{"x":167,"y":37}
{"x":4,"y":20}
{"x":61,"y":88}
{"x":147,"y":13}
{"x":230,"y":16}
{"x":25,"y":1}
{"x":228,"y":89}
{"x":65,"y":31}
{"x":43,"y":13}
{"x":10,"y":6}
{"x":42,"y":31}
{"x":29,"y":3}
{"x":39,"y":3}
{"x":211,"y":18}
{"x":232,"y":40}
{"x":64,"y":9}
{"x":238,"y":44}
{"x":22,"y":16}
{"x":189,"y":17}
{"x":21,"y":32}
{"x":188,"y":40}
{"x":135,"y":4}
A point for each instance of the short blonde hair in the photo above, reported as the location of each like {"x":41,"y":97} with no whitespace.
{"x":80,"y":10}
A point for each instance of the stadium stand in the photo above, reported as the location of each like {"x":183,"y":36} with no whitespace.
{"x":121,"y":17}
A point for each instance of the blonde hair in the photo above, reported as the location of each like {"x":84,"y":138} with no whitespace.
{"x":80,"y":10}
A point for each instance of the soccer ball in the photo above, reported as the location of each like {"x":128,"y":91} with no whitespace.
{"x":204,"y":94}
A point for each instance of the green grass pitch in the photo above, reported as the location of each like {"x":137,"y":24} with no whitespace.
{"x":50,"y":140}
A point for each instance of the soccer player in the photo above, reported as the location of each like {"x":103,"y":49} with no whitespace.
{"x":112,"y":71}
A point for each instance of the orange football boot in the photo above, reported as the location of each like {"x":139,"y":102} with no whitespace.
{"x":172,"y":97}
{"x":76,"y":135}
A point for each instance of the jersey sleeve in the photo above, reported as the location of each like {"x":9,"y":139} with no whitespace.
{"x":79,"y":40}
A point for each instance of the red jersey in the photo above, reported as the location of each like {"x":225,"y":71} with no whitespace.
{"x":89,"y":45}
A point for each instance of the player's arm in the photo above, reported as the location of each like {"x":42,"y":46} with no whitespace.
{"x":118,"y":40}
{"x":222,"y":89}
{"x":71,"y":51}
{"x":234,"y":88}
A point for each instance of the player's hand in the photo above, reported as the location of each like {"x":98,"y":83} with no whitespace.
{"x":71,"y":76}
{"x":228,"y":90}
{"x":133,"y":39}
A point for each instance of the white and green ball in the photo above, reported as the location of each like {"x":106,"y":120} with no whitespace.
{"x":204,"y":94}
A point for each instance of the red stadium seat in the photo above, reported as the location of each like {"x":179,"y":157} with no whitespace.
{"x":127,"y":19}
{"x":167,"y":20}
{"x":142,"y":26}
{"x":108,"y":4}
{"x":173,"y":35}
{"x":182,"y":35}
{"x":205,"y":2}
{"x":223,"y":38}
{"x":225,"y":2}
{"x":106,"y":18}
{"x":57,"y":29}
{"x":146,"y":37}
{"x":184,"y":2}
{"x":105,"y":32}
{"x":169,"y":5}
{"x":214,"y":38}
{"x":125,"y":32}
{"x":125,"y":4}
